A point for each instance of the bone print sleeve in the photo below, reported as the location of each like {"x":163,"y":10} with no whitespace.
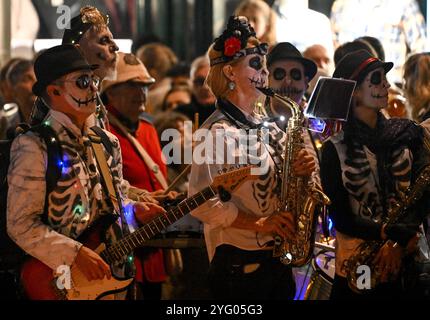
{"x":25,"y":206}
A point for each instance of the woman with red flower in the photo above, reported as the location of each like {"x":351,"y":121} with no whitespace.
{"x":240,"y":228}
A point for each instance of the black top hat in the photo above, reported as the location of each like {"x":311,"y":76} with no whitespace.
{"x":357,"y":65}
{"x":286,"y":51}
{"x":57,"y":62}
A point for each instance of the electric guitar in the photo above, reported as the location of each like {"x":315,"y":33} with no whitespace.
{"x":40,"y":283}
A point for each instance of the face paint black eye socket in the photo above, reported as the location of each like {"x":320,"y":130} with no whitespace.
{"x":255,"y":63}
{"x":296,"y":74}
{"x":376,"y":78}
{"x":279,"y":74}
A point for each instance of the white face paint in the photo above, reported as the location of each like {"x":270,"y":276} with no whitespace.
{"x":80,"y":92}
{"x":251,"y":73}
{"x":287,"y":78}
{"x":373,"y":92}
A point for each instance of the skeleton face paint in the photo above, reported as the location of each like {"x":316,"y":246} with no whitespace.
{"x":80,"y":91}
{"x":373,"y":92}
{"x":287,"y":78}
{"x":251,"y":73}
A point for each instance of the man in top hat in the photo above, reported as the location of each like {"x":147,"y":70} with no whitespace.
{"x":125,"y":98}
{"x":49,"y":232}
{"x":366,"y":169}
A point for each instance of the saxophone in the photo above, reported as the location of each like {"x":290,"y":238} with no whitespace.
{"x":297,"y":195}
{"x":367,"y":251}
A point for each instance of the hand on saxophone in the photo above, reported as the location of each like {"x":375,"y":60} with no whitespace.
{"x":389,"y":261}
{"x":281,"y":224}
{"x":304,"y":164}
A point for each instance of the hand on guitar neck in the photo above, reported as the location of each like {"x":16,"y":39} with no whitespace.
{"x":145,"y":212}
{"x":92,"y":265}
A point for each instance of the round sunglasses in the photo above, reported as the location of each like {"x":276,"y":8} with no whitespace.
{"x":84,"y":81}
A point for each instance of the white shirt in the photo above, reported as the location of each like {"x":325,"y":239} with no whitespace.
{"x":258,"y":198}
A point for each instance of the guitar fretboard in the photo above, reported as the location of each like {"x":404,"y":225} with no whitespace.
{"x":135,"y":240}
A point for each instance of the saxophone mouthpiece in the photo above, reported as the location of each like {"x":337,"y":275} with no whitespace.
{"x":267,"y":91}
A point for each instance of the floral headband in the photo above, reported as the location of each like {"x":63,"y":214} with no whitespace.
{"x":232,"y":43}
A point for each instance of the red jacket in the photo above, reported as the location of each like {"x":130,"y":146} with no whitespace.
{"x":137,"y":173}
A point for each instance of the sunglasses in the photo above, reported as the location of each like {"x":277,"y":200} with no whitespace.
{"x":280,"y":73}
{"x":84,"y":81}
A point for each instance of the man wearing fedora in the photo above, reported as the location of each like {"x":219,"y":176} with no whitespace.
{"x":289,"y":74}
{"x":125,"y":98}
{"x":366,"y":169}
{"x":49,"y":230}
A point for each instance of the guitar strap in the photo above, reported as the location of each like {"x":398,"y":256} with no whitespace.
{"x":96,"y":136}
{"x":104,"y":168}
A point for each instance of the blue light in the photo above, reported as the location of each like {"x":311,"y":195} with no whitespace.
{"x":317,"y":125}
{"x":330,"y":224}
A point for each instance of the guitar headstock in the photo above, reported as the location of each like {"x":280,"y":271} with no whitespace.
{"x":232,"y":180}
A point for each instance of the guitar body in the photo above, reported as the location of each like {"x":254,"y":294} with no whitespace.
{"x":40,"y":282}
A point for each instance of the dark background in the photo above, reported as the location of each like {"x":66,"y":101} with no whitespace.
{"x":184,"y":25}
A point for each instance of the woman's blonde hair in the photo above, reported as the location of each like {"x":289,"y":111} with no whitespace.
{"x":417,"y":82}
{"x":216,"y":80}
{"x":270,"y":16}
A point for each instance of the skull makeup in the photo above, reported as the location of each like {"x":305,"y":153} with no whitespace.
{"x":287,"y":78}
{"x":80,"y":91}
{"x":373,"y":92}
{"x":251,"y":74}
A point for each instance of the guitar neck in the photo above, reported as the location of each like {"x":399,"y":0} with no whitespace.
{"x":126,"y":245}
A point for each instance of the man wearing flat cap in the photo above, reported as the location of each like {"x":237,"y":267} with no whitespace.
{"x":125,"y":98}
{"x":49,"y":230}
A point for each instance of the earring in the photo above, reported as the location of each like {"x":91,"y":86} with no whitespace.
{"x":232,"y":85}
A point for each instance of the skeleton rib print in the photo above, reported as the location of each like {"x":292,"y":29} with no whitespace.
{"x":78,"y":194}
{"x":361,"y":179}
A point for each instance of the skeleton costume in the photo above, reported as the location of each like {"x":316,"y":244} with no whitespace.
{"x":241,"y":260}
{"x":49,"y":233}
{"x":365,"y":171}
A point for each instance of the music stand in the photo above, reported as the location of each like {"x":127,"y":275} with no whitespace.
{"x":331,"y":99}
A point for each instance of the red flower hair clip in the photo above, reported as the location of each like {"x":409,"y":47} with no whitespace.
{"x":231,"y":46}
